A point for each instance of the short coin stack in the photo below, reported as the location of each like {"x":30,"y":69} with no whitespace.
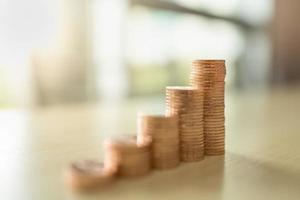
{"x":187,"y":104}
{"x":209,"y":75}
{"x":88,"y":174}
{"x":133,"y":157}
{"x":165,"y":139}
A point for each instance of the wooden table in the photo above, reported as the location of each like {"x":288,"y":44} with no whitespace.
{"x":262,"y":159}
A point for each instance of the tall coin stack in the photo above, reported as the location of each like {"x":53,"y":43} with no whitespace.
{"x":209,"y":75}
{"x":132,"y":157}
{"x":187,"y":104}
{"x":165,"y":139}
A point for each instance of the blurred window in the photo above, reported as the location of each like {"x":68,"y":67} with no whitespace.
{"x":24,"y":26}
{"x":163,"y":35}
{"x":160,"y":43}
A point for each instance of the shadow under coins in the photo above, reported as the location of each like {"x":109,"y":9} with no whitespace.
{"x":189,"y":180}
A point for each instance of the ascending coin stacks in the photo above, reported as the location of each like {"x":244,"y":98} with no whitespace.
{"x":209,"y":75}
{"x":187,"y":104}
{"x":165,"y":139}
{"x":193,"y":126}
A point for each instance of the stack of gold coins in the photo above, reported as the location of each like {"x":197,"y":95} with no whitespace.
{"x":187,"y":104}
{"x":165,"y":139}
{"x":88,"y":174}
{"x":132,"y":156}
{"x":209,"y":75}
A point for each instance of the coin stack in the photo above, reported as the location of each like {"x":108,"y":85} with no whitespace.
{"x":209,"y":75}
{"x":165,"y":139}
{"x":88,"y":174}
{"x":132,"y":156}
{"x":187,"y":104}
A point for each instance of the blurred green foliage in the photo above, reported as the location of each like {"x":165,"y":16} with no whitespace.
{"x":152,"y":79}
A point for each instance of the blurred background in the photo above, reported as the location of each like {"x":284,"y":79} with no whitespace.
{"x":73,"y":72}
{"x":75,"y":51}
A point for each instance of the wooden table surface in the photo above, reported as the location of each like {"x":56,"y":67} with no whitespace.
{"x":262,"y":158}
